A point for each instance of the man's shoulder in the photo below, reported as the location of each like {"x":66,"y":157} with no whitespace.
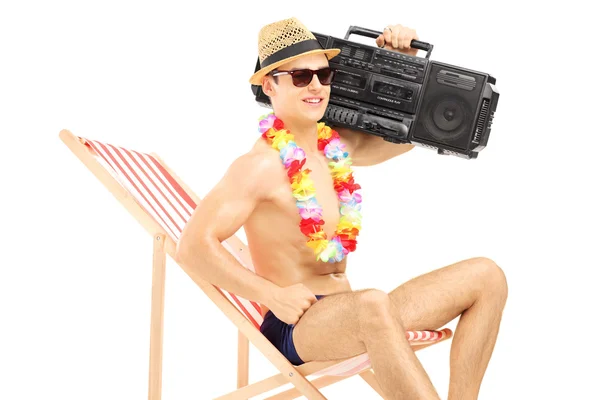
{"x":260,"y":165}
{"x":262,"y":158}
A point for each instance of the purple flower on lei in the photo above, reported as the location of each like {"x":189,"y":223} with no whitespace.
{"x":350,"y":199}
{"x":290,"y":153}
{"x":310,"y":209}
{"x":266,"y":122}
{"x":335,"y":150}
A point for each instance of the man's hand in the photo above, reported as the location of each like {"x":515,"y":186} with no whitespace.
{"x":289,"y":303}
{"x":398,"y":37}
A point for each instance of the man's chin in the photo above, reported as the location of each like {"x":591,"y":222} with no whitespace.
{"x":315,"y":115}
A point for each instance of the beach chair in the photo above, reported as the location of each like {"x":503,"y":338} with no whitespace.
{"x":162,"y":204}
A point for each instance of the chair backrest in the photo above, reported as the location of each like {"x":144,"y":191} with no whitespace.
{"x":159,"y":193}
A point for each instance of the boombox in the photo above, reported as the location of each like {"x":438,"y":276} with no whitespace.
{"x":406,"y":99}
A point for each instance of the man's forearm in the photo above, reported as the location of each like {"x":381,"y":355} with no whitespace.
{"x":214,"y":264}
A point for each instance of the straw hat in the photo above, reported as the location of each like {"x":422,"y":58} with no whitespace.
{"x":284,"y":41}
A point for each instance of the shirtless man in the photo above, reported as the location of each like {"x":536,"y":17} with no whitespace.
{"x":255,"y":194}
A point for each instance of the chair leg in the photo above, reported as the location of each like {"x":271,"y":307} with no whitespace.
{"x":318,"y":383}
{"x":243,"y":360}
{"x":256,"y":388}
{"x":159,"y":261}
{"x":369,"y":377}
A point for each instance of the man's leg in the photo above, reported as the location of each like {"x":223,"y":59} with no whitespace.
{"x":475,"y":288}
{"x":347,"y":324}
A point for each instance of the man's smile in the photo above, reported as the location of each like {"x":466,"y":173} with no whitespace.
{"x":313,"y":100}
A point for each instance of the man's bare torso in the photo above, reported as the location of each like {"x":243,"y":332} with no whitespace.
{"x":277,"y":246}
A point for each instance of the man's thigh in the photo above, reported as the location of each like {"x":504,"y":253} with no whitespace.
{"x":430,"y":301}
{"x":329,"y":329}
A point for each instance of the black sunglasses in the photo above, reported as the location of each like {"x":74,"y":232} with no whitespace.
{"x":302,"y":77}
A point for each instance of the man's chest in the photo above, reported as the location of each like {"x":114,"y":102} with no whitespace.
{"x":325,"y":196}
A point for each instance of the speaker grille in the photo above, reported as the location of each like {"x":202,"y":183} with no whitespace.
{"x":481,"y":120}
{"x":461,"y":81}
{"x":449,"y":108}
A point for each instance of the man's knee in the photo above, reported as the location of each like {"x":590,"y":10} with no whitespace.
{"x":375,"y":310}
{"x":492,"y":277}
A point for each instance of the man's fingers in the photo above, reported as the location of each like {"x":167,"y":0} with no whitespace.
{"x":401,"y":41}
{"x":395,"y":38}
{"x":310,"y":300}
{"x":379,"y":41}
{"x":413,"y":33}
{"x":387,"y":35}
{"x":310,"y":296}
{"x":306,"y":305}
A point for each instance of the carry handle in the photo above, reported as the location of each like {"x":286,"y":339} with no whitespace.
{"x":415,"y":44}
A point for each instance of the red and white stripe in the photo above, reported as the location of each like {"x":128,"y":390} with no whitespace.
{"x":155,"y":189}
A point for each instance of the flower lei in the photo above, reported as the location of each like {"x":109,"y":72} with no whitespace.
{"x":303,"y":190}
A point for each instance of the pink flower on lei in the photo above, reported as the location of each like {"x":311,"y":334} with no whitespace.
{"x":351,"y":199}
{"x":290,"y":153}
{"x":310,"y":209}
{"x":266,"y":122}
{"x":335,"y":149}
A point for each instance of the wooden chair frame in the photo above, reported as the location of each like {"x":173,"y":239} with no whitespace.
{"x":164,"y":245}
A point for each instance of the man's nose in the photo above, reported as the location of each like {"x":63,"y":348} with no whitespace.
{"x":314,"y":83}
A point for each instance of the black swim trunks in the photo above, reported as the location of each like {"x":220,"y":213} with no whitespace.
{"x":280,"y":334}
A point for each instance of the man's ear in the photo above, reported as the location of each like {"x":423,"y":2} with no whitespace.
{"x":268,"y":86}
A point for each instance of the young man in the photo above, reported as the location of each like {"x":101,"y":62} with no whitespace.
{"x":311,"y":312}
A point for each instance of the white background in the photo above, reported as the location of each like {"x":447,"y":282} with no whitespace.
{"x":173,"y":78}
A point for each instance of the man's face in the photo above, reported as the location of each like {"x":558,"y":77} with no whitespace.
{"x":299,"y":103}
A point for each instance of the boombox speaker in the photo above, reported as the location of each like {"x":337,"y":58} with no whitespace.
{"x":455,"y":109}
